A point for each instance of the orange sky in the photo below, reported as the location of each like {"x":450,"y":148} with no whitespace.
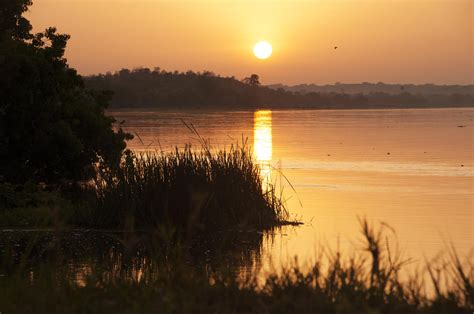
{"x":397,"y":41}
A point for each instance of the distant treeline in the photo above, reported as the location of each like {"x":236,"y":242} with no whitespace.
{"x":368,"y":88}
{"x":144,"y":88}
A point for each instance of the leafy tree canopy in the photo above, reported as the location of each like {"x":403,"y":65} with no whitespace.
{"x":253,"y":80}
{"x":51,"y":127}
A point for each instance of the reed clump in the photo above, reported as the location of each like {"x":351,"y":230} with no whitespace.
{"x":191,"y":189}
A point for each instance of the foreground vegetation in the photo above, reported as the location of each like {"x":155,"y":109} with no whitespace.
{"x":163,"y":281}
{"x":191,"y":189}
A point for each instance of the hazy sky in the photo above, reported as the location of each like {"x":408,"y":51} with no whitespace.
{"x":412,"y":41}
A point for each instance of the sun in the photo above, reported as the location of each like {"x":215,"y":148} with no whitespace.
{"x":262,"y":50}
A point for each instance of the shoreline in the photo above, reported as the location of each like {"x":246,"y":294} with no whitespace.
{"x":296,"y":108}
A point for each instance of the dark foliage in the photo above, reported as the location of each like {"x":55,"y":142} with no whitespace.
{"x":157,"y":88}
{"x":253,"y":79}
{"x":161,"y":89}
{"x":380,"y":87}
{"x":51,"y":128}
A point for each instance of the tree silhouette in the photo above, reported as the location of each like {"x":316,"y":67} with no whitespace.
{"x":253,"y":80}
{"x":51,"y":128}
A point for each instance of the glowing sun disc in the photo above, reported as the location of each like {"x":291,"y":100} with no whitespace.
{"x":262,"y":50}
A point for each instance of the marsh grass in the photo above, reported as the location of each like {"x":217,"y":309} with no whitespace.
{"x":368,"y":282}
{"x":192,"y":189}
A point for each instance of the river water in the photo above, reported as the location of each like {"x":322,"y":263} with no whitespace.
{"x":411,"y":169}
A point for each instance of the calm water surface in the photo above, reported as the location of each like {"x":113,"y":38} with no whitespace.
{"x":409,"y":168}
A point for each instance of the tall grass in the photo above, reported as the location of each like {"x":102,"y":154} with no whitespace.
{"x":365,"y":283}
{"x":191,"y":189}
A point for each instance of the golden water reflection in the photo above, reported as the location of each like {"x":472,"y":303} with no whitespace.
{"x":410,"y":168}
{"x":262,"y":142}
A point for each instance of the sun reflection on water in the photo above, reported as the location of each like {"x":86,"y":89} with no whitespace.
{"x":262,"y":142}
